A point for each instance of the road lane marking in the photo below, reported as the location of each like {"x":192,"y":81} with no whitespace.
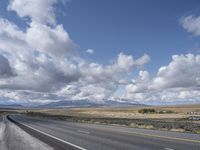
{"x":165,"y":137}
{"x":156,"y":136}
{"x":85,"y":132}
{"x":136,"y":133}
{"x":49,"y":135}
{"x":168,"y":148}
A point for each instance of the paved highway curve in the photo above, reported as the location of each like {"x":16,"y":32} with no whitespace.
{"x":67,"y":135}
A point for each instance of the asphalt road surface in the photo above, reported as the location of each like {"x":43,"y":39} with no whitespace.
{"x":68,"y":135}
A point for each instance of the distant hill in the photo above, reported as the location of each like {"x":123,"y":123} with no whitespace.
{"x":11,"y":106}
{"x":88,"y":103}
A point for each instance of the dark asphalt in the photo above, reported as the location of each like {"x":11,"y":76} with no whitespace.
{"x":102,"y":137}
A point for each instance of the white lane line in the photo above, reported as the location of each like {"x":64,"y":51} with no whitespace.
{"x":85,"y":132}
{"x":168,"y":148}
{"x":49,"y":135}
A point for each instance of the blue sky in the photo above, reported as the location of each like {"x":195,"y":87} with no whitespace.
{"x":132,"y":26}
{"x":131,"y":43}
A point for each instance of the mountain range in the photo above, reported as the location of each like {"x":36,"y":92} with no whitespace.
{"x":76,"y":103}
{"x":88,"y":103}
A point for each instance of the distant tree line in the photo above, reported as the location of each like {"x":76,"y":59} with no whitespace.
{"x":147,"y":111}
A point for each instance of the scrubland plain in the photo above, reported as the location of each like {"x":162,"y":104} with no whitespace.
{"x":173,"y":118}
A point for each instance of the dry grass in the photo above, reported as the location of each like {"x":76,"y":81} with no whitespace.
{"x":177,"y":120}
{"x":180,"y":111}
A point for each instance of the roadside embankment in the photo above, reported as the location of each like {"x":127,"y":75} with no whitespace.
{"x":14,"y":138}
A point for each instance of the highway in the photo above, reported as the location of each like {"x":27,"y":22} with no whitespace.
{"x":67,"y":135}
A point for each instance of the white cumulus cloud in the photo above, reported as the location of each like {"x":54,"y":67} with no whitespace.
{"x":40,"y":11}
{"x":41,"y":63}
{"x":90,"y":51}
{"x":179,"y":81}
{"x":191,"y":24}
